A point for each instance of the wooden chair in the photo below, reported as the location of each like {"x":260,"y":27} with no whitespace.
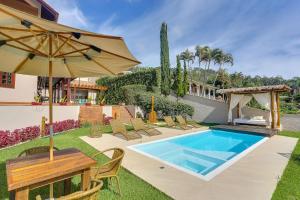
{"x":91,"y":194}
{"x":119,"y":128}
{"x":109,"y":169}
{"x":183,"y":122}
{"x":141,"y":128}
{"x":171,"y":124}
{"x":36,"y":150}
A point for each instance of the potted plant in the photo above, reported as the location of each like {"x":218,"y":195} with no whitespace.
{"x":102,"y":102}
{"x":63,"y":101}
{"x":37,"y":101}
{"x":89,"y":100}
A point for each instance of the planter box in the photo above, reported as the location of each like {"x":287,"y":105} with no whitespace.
{"x":88,"y":104}
{"x":36,"y":103}
{"x":63,"y":103}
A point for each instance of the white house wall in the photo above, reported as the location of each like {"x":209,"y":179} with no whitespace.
{"x":13,"y":117}
{"x":24,"y":91}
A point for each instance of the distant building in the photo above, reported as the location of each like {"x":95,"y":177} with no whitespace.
{"x":17,"y":88}
{"x":202,"y":90}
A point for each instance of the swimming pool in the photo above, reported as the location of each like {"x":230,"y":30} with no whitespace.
{"x":204,"y":154}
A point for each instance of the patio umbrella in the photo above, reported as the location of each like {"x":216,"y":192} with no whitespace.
{"x":34,"y":46}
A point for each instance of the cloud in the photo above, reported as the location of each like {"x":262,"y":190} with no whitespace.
{"x":107,"y":26}
{"x":263,"y":36}
{"x":70,"y":13}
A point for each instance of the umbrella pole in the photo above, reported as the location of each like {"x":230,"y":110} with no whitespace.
{"x":50,"y":108}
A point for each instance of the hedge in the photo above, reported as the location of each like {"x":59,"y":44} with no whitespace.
{"x":8,"y":138}
{"x":163,"y":105}
{"x":114,"y":95}
{"x":137,"y":95}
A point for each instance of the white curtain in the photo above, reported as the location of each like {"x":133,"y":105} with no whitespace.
{"x":243,"y":102}
{"x":264,"y":99}
{"x":234,"y":100}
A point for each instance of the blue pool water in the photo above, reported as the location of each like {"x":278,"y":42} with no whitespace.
{"x":201,"y":152}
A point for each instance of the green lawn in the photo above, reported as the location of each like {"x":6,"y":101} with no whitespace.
{"x":132,"y":187}
{"x":288,"y":187}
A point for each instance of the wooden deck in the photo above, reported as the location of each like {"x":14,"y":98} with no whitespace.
{"x":246,"y":128}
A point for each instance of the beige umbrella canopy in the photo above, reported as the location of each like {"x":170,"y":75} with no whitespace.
{"x":33,"y":46}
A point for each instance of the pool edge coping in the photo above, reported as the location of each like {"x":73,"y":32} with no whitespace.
{"x":211,"y":174}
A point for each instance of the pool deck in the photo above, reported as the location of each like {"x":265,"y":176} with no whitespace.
{"x":252,"y":177}
{"x":247,"y":128}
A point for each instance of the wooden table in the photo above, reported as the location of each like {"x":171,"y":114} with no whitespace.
{"x":26,"y":173}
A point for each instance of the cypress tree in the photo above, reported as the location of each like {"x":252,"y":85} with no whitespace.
{"x":178,"y":87}
{"x":164,"y":60}
{"x":185,"y":78}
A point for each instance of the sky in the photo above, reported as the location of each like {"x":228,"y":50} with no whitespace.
{"x":262,"y":35}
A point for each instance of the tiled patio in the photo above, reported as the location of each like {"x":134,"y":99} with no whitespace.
{"x":252,"y":177}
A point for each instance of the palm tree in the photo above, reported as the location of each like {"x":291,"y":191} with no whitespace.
{"x":221,"y":59}
{"x":198,"y":55}
{"x":188,"y":57}
{"x":206,"y":56}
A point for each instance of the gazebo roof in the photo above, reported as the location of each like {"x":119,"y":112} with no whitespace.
{"x":259,"y":89}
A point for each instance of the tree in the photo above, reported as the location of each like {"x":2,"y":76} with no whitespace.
{"x":178,"y":84}
{"x":198,"y":55}
{"x":164,"y":60}
{"x":221,"y":58}
{"x":188,"y":57}
{"x":236,"y":79}
{"x":185,"y":79}
{"x":206,"y":56}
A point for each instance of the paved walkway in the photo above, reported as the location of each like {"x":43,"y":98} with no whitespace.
{"x":252,"y":177}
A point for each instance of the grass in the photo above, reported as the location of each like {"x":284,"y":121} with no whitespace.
{"x":132,"y":187}
{"x":288,"y":186}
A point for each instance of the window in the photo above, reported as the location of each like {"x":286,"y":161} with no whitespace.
{"x":7,"y":80}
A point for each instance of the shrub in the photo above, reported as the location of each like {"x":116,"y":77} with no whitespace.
{"x":114,"y":94}
{"x":163,"y":105}
{"x":8,"y":138}
{"x":106,"y":119}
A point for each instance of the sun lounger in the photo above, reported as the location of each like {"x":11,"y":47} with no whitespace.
{"x":183,"y":122}
{"x":170,"y":123}
{"x":141,"y":128}
{"x":119,"y":128}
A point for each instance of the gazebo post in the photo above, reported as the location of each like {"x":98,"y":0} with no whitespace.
{"x":238,"y":110}
{"x":272,"y":110}
{"x":278,"y":109}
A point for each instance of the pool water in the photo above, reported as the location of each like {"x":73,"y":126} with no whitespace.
{"x":200,"y":152}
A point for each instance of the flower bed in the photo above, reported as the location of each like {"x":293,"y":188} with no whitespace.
{"x":8,"y":138}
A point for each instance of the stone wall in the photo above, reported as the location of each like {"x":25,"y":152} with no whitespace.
{"x":206,"y":110}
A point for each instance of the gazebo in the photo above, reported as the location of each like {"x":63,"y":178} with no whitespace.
{"x":266,"y":96}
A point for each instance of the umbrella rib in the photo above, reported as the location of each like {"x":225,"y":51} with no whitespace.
{"x":95,"y":35}
{"x":13,"y":39}
{"x":19,"y":18}
{"x":103,"y":50}
{"x":96,"y":62}
{"x":68,"y":67}
{"x":63,"y":44}
{"x":71,"y":52}
{"x":23,"y":37}
{"x":20,"y":29}
{"x":26,"y":59}
{"x":20,"y":48}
